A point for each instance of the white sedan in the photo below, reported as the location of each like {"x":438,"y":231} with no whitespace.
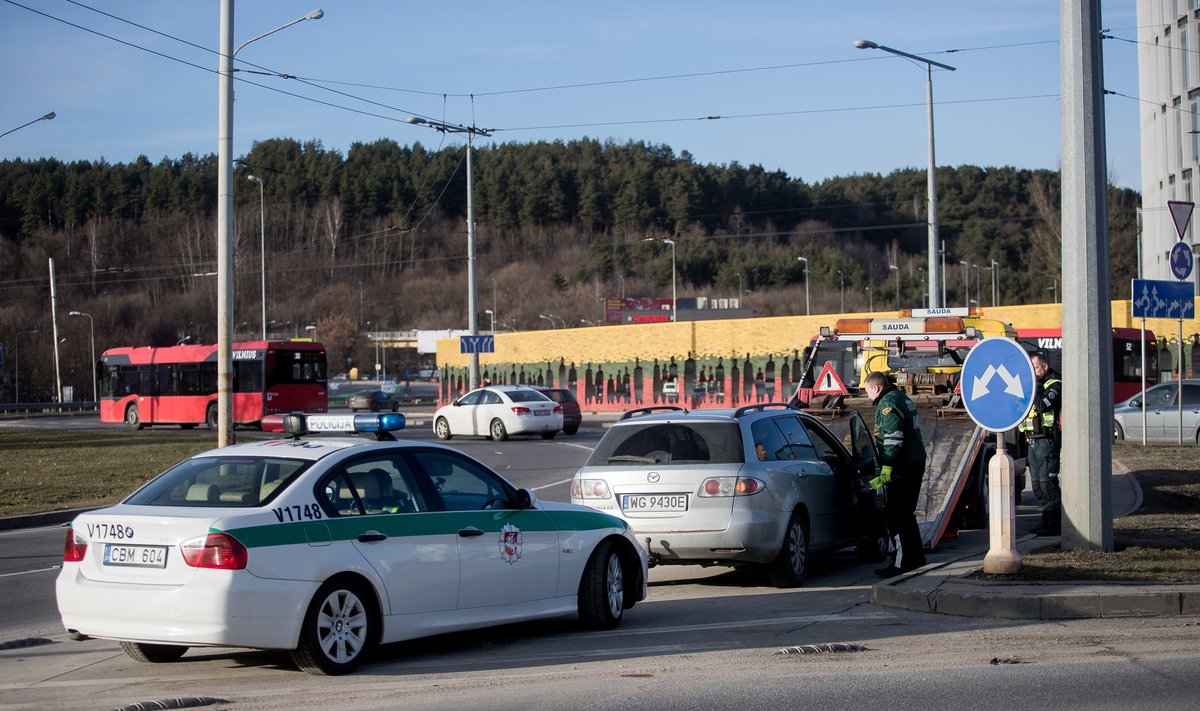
{"x":328,"y":546}
{"x":498,"y":411}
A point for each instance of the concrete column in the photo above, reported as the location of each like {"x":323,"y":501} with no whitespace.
{"x":1087,"y":383}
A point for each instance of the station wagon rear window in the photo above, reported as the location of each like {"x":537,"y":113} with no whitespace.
{"x":678,"y":443}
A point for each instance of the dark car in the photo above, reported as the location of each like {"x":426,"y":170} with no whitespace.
{"x":572,"y":417}
{"x":373,"y":400}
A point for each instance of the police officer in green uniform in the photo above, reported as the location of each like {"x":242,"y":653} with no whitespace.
{"x":1042,"y":431}
{"x":902,"y":456}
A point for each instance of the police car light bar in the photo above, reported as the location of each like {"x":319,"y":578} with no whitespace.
{"x":298,"y":424}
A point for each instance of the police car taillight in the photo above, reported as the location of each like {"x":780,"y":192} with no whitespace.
{"x":75,"y":548}
{"x":216,"y":550}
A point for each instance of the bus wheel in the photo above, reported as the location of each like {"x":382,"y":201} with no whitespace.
{"x":132,"y":418}
{"x":210,"y":417}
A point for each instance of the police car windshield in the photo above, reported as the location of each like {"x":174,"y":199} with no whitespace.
{"x":237,"y":482}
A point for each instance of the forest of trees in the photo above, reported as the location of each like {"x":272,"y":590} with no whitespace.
{"x":376,"y":240}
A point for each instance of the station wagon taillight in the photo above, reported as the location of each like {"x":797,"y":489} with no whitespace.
{"x":731,"y":486}
{"x":220,"y":551}
{"x":75,"y":548}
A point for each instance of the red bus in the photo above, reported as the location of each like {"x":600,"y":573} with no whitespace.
{"x":1126,"y":355}
{"x":177,"y":385}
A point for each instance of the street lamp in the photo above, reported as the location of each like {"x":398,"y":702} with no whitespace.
{"x":807,"y":303}
{"x":17,"y":364}
{"x":225,"y":216}
{"x":472,"y":316}
{"x":966,"y":282}
{"x":262,"y":243}
{"x":92,"y":330}
{"x":994,"y":269}
{"x":935,"y":276}
{"x":674,"y":307}
{"x":43,"y":117}
{"x":896,"y":269}
{"x":842,"y":283}
{"x":491,"y":313}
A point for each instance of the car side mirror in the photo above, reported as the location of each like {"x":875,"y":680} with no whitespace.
{"x":525,"y":499}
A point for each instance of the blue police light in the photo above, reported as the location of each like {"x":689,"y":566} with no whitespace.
{"x":385,"y":422}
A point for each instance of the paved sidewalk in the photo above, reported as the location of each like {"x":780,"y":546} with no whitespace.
{"x":945,"y":586}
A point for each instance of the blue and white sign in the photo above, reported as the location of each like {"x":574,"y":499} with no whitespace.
{"x":998,"y":384}
{"x":476,"y":344}
{"x":1164,"y":299}
{"x":1181,"y":260}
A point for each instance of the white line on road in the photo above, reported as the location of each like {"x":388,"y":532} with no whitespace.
{"x":27,"y":572}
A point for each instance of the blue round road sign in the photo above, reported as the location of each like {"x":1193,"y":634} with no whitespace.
{"x":998,"y":384}
{"x":1181,"y":260}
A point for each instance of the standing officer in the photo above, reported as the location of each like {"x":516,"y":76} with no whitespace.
{"x":1042,"y":431}
{"x":902,"y":456}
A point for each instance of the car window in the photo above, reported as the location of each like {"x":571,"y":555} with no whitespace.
{"x":526,"y":396}
{"x":670,"y":443}
{"x":372,"y":485}
{"x":1160,"y":396}
{"x":1191,"y":395}
{"x":220,"y":481}
{"x":464,"y":485}
{"x":472,"y":398}
{"x":490,"y":398}
{"x":767,"y":435}
{"x":824,"y":446}
{"x":799,"y":444}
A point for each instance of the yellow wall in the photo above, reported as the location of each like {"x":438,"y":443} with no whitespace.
{"x":732,"y":337}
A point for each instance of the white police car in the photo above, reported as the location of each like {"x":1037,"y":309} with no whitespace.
{"x":328,"y":546}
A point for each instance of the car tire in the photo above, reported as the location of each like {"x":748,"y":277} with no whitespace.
{"x":497,"y":430}
{"x":153,"y":653}
{"x":875,"y":548}
{"x":210,"y":417}
{"x":549,"y":435}
{"x":602,"y":588}
{"x":790,"y":567}
{"x":339,"y":630}
{"x":1118,"y":433}
{"x":441,"y":428}
{"x":570,"y":429}
{"x":133,"y":418}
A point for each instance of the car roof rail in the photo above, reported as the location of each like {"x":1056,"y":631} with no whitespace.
{"x":640,"y":411}
{"x":760,"y":407}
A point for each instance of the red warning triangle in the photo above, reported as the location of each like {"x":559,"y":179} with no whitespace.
{"x":829,"y":383}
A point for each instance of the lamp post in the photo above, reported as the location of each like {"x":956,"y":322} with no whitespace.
{"x":472,"y":316}
{"x":92,"y":331}
{"x":225,"y":216}
{"x":995,"y":282}
{"x":966,"y":281}
{"x":807,"y":303}
{"x":896,"y":269}
{"x":43,"y":117}
{"x":842,"y":284}
{"x":262,"y":244}
{"x":674,"y":307}
{"x":17,"y":364}
{"x":935,"y":276}
{"x":491,"y":313}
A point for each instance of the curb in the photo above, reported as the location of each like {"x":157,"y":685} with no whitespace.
{"x":49,"y":518}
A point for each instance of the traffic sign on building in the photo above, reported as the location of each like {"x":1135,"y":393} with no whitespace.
{"x":998,"y":384}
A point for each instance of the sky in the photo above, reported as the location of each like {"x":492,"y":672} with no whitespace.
{"x":792,"y":92}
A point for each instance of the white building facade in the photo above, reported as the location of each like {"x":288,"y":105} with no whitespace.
{"x":1169,"y":89}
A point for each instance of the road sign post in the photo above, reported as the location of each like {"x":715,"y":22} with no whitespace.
{"x":998,"y":385}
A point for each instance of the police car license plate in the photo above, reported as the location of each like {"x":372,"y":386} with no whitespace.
{"x":654,"y":502}
{"x":135,"y":556}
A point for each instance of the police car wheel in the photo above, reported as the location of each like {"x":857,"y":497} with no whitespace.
{"x":153,"y":653}
{"x":790,"y":567}
{"x":498,"y":431}
{"x":442,"y":428}
{"x":602,"y":589}
{"x":338,"y":630}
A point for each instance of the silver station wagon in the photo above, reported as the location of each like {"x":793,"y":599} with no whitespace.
{"x":763,"y":484}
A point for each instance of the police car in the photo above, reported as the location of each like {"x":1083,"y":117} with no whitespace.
{"x":329,"y":546}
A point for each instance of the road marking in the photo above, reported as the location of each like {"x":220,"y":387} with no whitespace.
{"x":805,"y":619}
{"x":547,"y":486}
{"x":27,"y":572}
